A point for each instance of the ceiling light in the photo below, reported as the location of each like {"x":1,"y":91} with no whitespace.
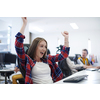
{"x":74,"y":26}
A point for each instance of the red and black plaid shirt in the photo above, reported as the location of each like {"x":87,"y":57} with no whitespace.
{"x":27,"y":63}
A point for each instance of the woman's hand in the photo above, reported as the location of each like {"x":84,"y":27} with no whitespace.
{"x":24,"y":25}
{"x":65,"y":34}
{"x":16,"y":69}
{"x":24,"y":20}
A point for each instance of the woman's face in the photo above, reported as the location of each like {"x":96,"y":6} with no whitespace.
{"x":41,"y":49}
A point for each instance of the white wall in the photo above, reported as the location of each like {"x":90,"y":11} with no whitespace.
{"x":77,"y":41}
{"x":3,"y":25}
{"x":16,"y":26}
{"x":74,"y":43}
{"x":16,"y":23}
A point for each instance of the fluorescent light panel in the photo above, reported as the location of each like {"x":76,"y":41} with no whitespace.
{"x":74,"y":26}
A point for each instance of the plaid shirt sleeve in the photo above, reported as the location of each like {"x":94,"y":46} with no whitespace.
{"x":56,"y":71}
{"x":58,"y":57}
{"x":19,"y":48}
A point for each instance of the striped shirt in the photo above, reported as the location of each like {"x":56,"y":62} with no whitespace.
{"x":84,"y":61}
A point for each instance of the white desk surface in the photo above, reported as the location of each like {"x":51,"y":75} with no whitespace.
{"x":93,"y":77}
{"x":8,"y":68}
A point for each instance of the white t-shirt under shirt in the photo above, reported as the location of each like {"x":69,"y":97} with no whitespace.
{"x":41,"y":73}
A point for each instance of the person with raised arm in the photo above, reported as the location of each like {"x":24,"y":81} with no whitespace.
{"x":40,"y":68}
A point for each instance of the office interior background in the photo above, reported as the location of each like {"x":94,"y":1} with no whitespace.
{"x":85,"y":35}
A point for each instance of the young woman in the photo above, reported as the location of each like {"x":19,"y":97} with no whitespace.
{"x":40,"y":68}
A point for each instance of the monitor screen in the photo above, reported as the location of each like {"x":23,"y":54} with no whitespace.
{"x":9,"y":58}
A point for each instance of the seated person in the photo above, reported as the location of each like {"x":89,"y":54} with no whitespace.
{"x":77,"y":67}
{"x":19,"y":76}
{"x":84,"y":61}
{"x":15,"y":77}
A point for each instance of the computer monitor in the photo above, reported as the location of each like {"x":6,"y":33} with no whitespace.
{"x":7,"y":58}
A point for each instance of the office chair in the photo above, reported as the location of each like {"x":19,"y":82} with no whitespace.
{"x":59,"y":49}
{"x":21,"y":80}
{"x":48,"y":51}
{"x":65,"y":68}
{"x":63,"y":64}
{"x":71,"y":58}
{"x":76,"y":58}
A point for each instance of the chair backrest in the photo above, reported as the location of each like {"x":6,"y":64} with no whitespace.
{"x":26,"y":47}
{"x":71,"y":58}
{"x":21,"y":68}
{"x":65,"y":68}
{"x":76,"y":58}
{"x":48,"y":51}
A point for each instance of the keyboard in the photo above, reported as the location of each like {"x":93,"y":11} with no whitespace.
{"x":76,"y":79}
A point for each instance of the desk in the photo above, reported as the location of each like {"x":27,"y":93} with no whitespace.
{"x":93,"y":77}
{"x":9,"y":69}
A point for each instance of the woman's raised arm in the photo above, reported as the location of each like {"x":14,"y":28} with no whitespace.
{"x":65,"y":50}
{"x":19,"y":42}
{"x":24,"y":25}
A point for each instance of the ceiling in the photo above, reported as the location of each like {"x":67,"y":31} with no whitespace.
{"x":59,"y":24}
